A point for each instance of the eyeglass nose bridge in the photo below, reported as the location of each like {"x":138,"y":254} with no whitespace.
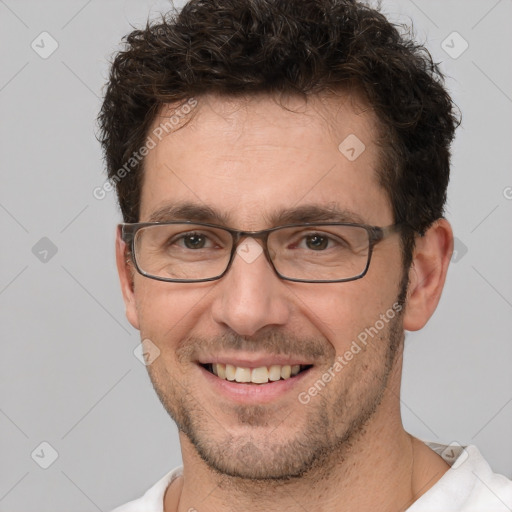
{"x":250,"y":254}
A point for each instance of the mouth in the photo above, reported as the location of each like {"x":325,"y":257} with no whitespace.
{"x":260,"y":376}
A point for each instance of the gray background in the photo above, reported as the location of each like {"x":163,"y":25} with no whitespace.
{"x":69,"y":376}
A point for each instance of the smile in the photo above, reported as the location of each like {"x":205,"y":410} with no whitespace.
{"x":259,"y":375}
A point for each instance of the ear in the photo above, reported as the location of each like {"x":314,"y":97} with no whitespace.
{"x":126,"y":272}
{"x":431,"y":258}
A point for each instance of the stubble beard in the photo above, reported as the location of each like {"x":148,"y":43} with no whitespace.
{"x":330,"y":425}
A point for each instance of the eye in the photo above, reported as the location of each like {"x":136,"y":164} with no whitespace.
{"x":192,"y":241}
{"x":319,"y":242}
{"x":316,"y":241}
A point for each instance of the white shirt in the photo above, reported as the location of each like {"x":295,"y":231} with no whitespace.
{"x":469,"y":485}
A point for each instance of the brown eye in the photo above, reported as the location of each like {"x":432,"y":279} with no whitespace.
{"x":317,"y":242}
{"x":194,"y":241}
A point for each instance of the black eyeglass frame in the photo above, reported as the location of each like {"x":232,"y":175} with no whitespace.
{"x":375,"y":235}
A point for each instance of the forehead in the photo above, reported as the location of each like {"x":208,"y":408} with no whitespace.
{"x":247,"y":159}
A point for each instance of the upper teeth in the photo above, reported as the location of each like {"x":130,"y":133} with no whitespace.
{"x":257,"y":375}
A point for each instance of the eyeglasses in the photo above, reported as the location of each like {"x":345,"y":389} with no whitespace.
{"x":182,"y":251}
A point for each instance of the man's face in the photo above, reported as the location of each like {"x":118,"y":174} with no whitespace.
{"x":250,"y":161}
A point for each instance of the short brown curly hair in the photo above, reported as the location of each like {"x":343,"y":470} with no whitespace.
{"x":304,"y":47}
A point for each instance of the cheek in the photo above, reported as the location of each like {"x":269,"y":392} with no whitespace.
{"x":167,"y":312}
{"x":341,"y":313}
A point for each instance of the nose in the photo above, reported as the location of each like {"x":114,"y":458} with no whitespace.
{"x":251,"y":296}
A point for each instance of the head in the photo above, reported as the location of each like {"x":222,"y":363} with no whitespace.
{"x":265,"y":93}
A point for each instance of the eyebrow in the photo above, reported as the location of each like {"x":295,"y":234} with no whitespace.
{"x":311,"y":213}
{"x":188,"y":211}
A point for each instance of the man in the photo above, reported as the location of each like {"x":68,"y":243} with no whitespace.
{"x":282,"y":168}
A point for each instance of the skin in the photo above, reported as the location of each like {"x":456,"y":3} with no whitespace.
{"x":346,"y":449}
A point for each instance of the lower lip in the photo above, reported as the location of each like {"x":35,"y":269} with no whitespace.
{"x":253,"y":393}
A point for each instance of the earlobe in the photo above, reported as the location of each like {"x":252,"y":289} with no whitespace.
{"x":125,"y":271}
{"x":431,"y":258}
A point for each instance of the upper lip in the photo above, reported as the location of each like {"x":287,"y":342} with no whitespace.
{"x":253,"y":361}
